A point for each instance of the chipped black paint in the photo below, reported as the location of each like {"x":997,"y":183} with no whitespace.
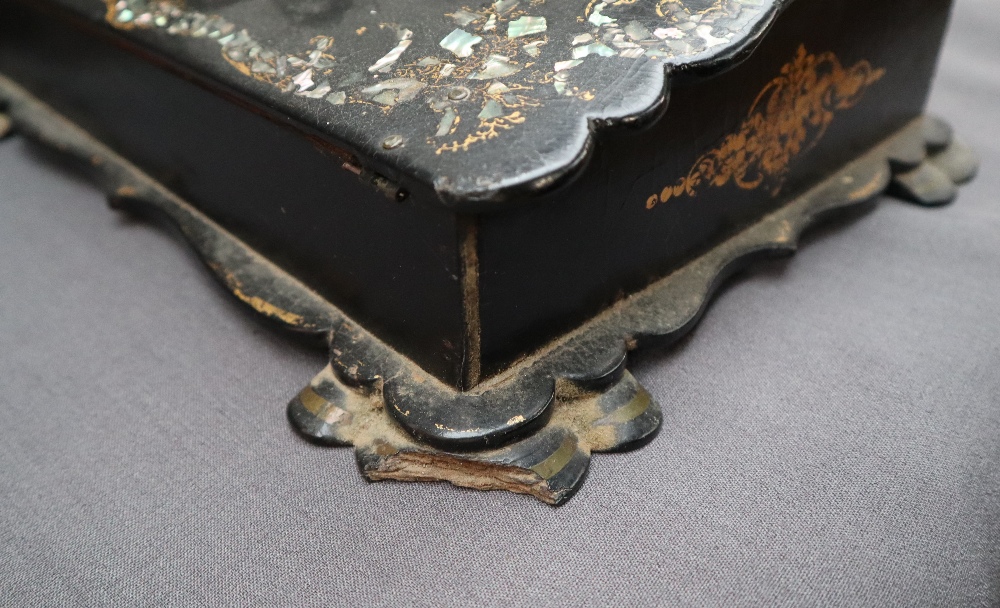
{"x":396,"y":384}
{"x":533,"y":430}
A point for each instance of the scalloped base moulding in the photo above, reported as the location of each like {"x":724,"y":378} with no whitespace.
{"x":484,"y":208}
{"x":532,"y":428}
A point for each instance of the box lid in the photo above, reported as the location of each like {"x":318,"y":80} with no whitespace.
{"x":484,"y":102}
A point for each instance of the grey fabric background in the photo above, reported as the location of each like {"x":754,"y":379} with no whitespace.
{"x":831,"y":434}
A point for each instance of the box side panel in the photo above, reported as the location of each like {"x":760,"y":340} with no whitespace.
{"x":727,"y":151}
{"x":392,"y":266}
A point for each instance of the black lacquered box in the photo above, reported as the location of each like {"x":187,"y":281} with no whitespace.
{"x":484,"y":206}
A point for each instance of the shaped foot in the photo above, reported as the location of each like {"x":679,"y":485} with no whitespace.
{"x":934,"y":181}
{"x":550,"y":464}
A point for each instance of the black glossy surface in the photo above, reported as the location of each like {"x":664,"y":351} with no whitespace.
{"x":548,"y":259}
{"x":394,"y":266}
{"x":547,"y":267}
{"x":555,"y":135}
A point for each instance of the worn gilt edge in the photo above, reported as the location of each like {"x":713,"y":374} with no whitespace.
{"x":592,"y":407}
{"x":248,"y":275}
{"x":550,"y":464}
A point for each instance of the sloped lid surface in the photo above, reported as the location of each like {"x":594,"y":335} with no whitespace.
{"x":485,"y":102}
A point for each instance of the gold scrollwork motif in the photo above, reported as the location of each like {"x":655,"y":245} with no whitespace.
{"x":789,"y":117}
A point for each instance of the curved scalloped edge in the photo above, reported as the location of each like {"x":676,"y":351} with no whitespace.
{"x":251,"y":277}
{"x":479,"y":198}
{"x":642,"y":98}
{"x":532,"y":429}
{"x":921,"y":163}
{"x":549,"y":464}
{"x":949,"y":164}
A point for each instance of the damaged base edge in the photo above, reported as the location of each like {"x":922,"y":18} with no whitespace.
{"x":550,"y":459}
{"x":922,"y":164}
{"x":550,"y":464}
